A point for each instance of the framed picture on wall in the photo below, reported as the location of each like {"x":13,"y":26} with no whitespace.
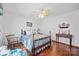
{"x":29,"y":24}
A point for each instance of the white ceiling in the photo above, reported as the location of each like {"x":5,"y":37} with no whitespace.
{"x":27,"y":8}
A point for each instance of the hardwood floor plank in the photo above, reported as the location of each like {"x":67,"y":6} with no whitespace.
{"x":59,"y":49}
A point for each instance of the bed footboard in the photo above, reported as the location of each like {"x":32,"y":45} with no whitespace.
{"x":41,"y":44}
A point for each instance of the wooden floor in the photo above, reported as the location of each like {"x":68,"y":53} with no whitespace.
{"x":59,"y":49}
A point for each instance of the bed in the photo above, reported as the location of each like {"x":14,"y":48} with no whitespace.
{"x":40,"y":42}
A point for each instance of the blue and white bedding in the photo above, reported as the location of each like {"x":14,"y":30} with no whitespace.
{"x":18,"y":52}
{"x":4,"y":51}
{"x":38,"y":41}
{"x":41,"y":42}
{"x":15,"y":52}
{"x":27,"y":41}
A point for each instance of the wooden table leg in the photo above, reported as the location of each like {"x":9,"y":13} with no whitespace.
{"x":57,"y":38}
{"x":70,"y":46}
{"x":70,"y":41}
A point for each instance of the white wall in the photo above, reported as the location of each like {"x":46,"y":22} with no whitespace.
{"x":3,"y":40}
{"x":51,"y":24}
{"x":13,"y":23}
{"x":1,"y":22}
{"x":0,"y":29}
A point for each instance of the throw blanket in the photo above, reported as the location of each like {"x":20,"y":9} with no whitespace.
{"x":27,"y":41}
{"x":15,"y":52}
{"x":18,"y":52}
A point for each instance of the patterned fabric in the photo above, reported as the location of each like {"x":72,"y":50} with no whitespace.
{"x":27,"y":41}
{"x":4,"y":51}
{"x":15,"y":52}
{"x":18,"y":52}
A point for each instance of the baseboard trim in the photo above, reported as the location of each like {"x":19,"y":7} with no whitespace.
{"x":65,"y":44}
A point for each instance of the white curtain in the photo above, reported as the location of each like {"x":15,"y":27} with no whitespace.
{"x":3,"y":40}
{"x":0,"y":39}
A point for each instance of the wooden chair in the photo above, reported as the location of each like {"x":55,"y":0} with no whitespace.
{"x":12,"y":41}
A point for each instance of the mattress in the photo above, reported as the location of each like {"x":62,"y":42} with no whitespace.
{"x":38,"y":36}
{"x":40,"y":39}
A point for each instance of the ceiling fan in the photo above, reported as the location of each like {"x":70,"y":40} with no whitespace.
{"x":40,"y":13}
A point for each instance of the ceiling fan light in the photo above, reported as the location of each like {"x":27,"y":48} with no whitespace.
{"x":45,"y":13}
{"x":41,"y":16}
